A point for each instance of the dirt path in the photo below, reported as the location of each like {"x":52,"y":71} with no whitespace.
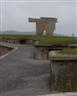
{"x":3,"y":51}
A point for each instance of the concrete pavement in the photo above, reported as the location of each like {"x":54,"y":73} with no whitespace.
{"x":21,"y":75}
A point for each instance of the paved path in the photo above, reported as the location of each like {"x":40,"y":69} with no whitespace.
{"x":21,"y":75}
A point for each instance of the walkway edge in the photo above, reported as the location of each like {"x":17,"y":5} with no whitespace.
{"x":3,"y":56}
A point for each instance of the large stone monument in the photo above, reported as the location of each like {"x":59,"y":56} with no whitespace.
{"x":44,"y":24}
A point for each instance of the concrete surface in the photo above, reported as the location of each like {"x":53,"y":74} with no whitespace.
{"x":21,"y":75}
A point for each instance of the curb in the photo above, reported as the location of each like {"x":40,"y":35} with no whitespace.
{"x":13,"y":49}
{"x":62,"y":94}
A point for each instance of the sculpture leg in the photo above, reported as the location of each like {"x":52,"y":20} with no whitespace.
{"x":39,"y":28}
{"x":50,"y":27}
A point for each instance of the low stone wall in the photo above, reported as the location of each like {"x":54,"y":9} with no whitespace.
{"x":63,"y":73}
{"x":9,"y":40}
{"x":17,"y":41}
{"x":40,"y":53}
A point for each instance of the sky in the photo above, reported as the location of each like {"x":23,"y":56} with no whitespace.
{"x":15,"y":14}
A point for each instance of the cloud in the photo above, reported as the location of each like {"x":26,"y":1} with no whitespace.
{"x":41,"y":0}
{"x":15,"y":15}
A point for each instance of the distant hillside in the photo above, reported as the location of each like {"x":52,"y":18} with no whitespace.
{"x":28,"y":33}
{"x":15,"y":32}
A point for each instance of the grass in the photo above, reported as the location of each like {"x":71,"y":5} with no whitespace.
{"x":15,"y":36}
{"x":68,"y":51}
{"x":56,"y":40}
{"x":45,"y":39}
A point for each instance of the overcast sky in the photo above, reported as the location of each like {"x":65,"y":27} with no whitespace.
{"x":15,"y":13}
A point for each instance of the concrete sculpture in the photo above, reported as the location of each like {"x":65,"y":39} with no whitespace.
{"x":44,"y":24}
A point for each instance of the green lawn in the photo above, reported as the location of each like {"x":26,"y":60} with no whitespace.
{"x":16,"y":36}
{"x":56,"y":40}
{"x":66,"y":51}
{"x":46,"y":39}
